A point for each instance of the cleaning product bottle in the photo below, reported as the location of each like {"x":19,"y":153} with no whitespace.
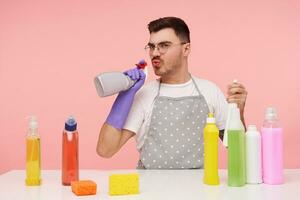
{"x":33,"y":154}
{"x":272,"y":148}
{"x":229,"y":109}
{"x":211,"y":138}
{"x":236,"y":150}
{"x":253,"y":155}
{"x":109,"y":83}
{"x":70,"y":171}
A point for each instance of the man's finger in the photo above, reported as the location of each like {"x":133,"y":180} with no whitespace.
{"x":129,"y":73}
{"x":237,"y":96}
{"x":238,"y":90}
{"x":142,"y":74}
{"x":231,"y":100}
{"x":236,"y":85}
{"x":136,"y":74}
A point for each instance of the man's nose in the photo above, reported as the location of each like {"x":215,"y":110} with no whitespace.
{"x":155,"y":52}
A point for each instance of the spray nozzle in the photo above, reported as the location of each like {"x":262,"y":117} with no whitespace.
{"x":142,"y":64}
{"x":271,"y":113}
{"x":32,"y":122}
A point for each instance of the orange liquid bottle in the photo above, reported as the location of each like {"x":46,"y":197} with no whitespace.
{"x":70,"y":171}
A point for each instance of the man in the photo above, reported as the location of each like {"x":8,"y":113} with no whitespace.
{"x":168,"y":115}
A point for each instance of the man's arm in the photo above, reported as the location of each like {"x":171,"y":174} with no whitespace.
{"x":112,"y":136}
{"x":111,"y":140}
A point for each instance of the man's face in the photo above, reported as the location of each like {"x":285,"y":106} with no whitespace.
{"x":168,"y":59}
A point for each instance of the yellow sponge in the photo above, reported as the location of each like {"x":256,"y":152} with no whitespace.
{"x":122,"y":184}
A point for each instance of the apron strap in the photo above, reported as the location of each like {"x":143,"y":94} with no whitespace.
{"x":158,"y":91}
{"x":196,"y":86}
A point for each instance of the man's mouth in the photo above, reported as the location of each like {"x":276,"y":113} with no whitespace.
{"x":155,"y":63}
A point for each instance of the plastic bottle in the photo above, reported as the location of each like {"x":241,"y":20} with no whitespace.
{"x":70,"y":171}
{"x":109,"y":83}
{"x":211,"y":138}
{"x":225,"y":137}
{"x":253,"y":155}
{"x":236,"y":150}
{"x":33,"y":154}
{"x":272,"y":148}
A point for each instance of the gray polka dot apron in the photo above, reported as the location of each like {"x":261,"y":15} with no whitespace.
{"x":175,"y":136}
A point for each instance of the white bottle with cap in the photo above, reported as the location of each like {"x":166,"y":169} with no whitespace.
{"x":253,"y":155}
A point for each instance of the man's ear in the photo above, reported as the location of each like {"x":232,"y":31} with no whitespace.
{"x":187,"y":49}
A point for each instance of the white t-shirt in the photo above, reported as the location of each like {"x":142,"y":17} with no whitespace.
{"x":139,"y":117}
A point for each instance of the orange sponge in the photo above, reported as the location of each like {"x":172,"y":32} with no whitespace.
{"x":84,"y":187}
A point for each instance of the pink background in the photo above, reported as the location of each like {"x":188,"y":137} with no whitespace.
{"x":51,"y":50}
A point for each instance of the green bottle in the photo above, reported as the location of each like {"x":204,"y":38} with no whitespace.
{"x":236,"y":150}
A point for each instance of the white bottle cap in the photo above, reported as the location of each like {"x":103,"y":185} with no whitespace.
{"x":270,"y":113}
{"x":251,"y":127}
{"x":33,"y":122}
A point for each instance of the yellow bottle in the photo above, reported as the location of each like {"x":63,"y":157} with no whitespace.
{"x":33,"y":155}
{"x":211,"y":137}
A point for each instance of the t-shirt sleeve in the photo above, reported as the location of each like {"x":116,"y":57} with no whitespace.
{"x":136,"y":115}
{"x":220,"y":109}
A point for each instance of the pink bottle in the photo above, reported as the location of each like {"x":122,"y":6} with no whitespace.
{"x":272,"y":149}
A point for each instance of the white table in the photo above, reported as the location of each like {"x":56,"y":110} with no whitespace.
{"x":154,"y":185}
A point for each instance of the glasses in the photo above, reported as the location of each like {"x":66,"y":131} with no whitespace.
{"x":161,"y":47}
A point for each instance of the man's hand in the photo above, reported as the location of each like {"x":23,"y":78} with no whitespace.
{"x":237,"y":94}
{"x":136,"y":75}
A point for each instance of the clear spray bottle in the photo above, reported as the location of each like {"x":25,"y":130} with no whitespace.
{"x":33,"y":154}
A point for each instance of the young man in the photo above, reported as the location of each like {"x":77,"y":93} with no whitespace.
{"x":167,"y":115}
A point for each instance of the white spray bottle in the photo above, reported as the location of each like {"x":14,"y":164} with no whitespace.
{"x":109,"y":83}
